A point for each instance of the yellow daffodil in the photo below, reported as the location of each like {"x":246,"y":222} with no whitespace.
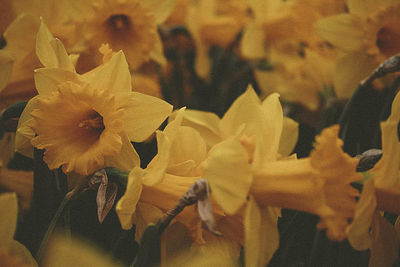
{"x":130,"y":25}
{"x":100,"y":114}
{"x":297,"y":78}
{"x":312,"y":184}
{"x":12,"y":253}
{"x":155,"y":190}
{"x":280,"y":32}
{"x":368,"y":34}
{"x":214,"y":22}
{"x":245,"y":146}
{"x":20,"y":37}
{"x":380,"y":192}
{"x":283,"y":25}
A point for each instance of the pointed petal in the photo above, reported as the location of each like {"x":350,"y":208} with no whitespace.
{"x":385,"y":248}
{"x":358,"y":233}
{"x":289,"y":136}
{"x":245,"y":110}
{"x":188,"y":145}
{"x":206,"y":123}
{"x":51,"y":51}
{"x":24,"y":132}
{"x":113,"y":76}
{"x":252,"y":45}
{"x":160,"y":9}
{"x":48,"y":79}
{"x":261,"y":234}
{"x":126,"y":206}
{"x":143,"y":115}
{"x":343,"y":31}
{"x":273,"y":116}
{"x":20,"y":43}
{"x":349,"y":71}
{"x":228,"y":173}
{"x":154,"y":173}
{"x":157,"y":53}
{"x":8,"y":222}
{"x":127,"y":159}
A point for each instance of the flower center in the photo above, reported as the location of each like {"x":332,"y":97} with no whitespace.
{"x":94,"y":122}
{"x":388,"y":40}
{"x":119,"y":22}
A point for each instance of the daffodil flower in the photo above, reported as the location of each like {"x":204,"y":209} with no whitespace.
{"x":369,"y":230}
{"x":12,"y":253}
{"x":368,"y":34}
{"x":214,"y":22}
{"x":85,"y":122}
{"x":130,"y":25}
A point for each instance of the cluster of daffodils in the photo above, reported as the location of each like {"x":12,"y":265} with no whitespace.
{"x":84,"y":65}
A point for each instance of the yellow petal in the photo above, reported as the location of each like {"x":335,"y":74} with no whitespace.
{"x":154,"y":173}
{"x":24,"y":132}
{"x":245,"y":110}
{"x":385,"y":247}
{"x":261,"y":234}
{"x":349,"y":71}
{"x":113,"y":76}
{"x":273,"y":116}
{"x":63,"y":252}
{"x":343,"y":31}
{"x":202,"y":64}
{"x":19,"y":251}
{"x":188,"y":145}
{"x":206,"y":123}
{"x":160,"y":9}
{"x":126,"y":206}
{"x":51,"y":51}
{"x":228,"y":172}
{"x":8,"y":222}
{"x":358,"y":233}
{"x":157,"y":53}
{"x":289,"y":136}
{"x":364,"y":8}
{"x":145,"y":214}
{"x":18,"y":41}
{"x":126,"y":159}
{"x":143,"y":115}
{"x":6,"y":66}
{"x":252,"y":45}
{"x":48,"y":79}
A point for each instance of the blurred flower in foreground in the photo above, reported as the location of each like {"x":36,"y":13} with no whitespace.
{"x":100,"y":114}
{"x":368,"y":34}
{"x":130,"y":25}
{"x":381,"y":191}
{"x":12,"y":253}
